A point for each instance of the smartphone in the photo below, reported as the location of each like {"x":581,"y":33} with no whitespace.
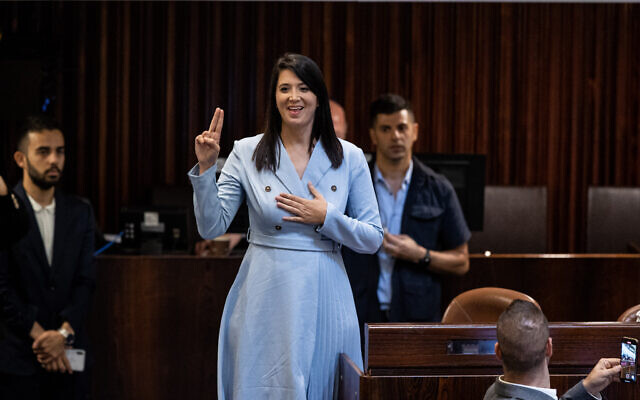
{"x":76,"y":359}
{"x":629,"y":347}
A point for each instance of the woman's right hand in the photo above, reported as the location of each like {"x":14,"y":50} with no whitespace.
{"x":208,"y":142}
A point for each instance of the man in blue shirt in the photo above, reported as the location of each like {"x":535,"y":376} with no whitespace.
{"x":425,"y":231}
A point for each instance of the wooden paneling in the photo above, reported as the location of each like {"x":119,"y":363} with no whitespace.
{"x":549,"y":92}
{"x":154,"y":326}
{"x":354,"y":385}
{"x":410,"y":361}
{"x":421,"y":349}
{"x":568,"y":287}
{"x":155,"y":320}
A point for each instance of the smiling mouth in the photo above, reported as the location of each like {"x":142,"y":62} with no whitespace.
{"x":298,"y":108}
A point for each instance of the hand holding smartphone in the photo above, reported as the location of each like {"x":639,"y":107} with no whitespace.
{"x":628,"y":352}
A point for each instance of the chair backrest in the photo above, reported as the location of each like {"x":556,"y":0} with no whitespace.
{"x":630,"y":314}
{"x":613,"y":220}
{"x":481,"y":305}
{"x":515,"y":220}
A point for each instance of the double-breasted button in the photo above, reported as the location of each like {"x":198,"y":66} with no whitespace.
{"x":334,"y":188}
{"x":278,"y":227}
{"x":267,"y":188}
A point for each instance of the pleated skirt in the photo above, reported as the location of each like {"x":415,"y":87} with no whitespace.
{"x":287,"y":318}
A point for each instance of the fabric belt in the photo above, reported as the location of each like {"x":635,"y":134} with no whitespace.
{"x":284,"y":242}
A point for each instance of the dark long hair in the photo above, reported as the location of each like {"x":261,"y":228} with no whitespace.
{"x":266,"y":153}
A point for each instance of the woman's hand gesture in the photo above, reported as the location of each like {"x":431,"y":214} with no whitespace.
{"x":312,"y":211}
{"x":208,"y":142}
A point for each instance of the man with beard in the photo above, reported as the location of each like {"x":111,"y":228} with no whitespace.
{"x":47,"y":277}
{"x":425,"y":234}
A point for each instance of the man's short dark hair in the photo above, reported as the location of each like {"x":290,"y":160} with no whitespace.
{"x":388,"y":104}
{"x":523,"y":331}
{"x":35,"y":123}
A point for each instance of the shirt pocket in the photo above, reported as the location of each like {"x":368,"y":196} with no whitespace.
{"x":424,"y":225}
{"x":425,"y":213}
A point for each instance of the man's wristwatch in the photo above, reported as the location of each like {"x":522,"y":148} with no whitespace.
{"x":426,"y":260}
{"x":69,"y":337}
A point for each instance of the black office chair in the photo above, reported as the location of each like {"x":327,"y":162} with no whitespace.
{"x":515,"y":220}
{"x":613,"y":220}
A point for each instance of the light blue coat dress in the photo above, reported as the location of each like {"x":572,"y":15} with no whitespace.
{"x":290,"y":311}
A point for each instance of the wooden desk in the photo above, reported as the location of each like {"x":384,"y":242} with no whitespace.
{"x":155,"y":320}
{"x":407,"y":361}
{"x":154,"y":326}
{"x":568,"y":287}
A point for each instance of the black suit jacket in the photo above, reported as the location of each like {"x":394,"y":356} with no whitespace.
{"x":31,"y":290}
{"x":432,"y":216}
{"x":14,"y":219}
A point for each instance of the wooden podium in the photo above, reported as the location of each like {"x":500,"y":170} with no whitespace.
{"x":436,"y":361}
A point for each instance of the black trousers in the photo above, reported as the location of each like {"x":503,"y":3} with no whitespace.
{"x":44,"y":385}
{"x":382,"y":316}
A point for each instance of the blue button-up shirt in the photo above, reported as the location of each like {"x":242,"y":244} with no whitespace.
{"x":391,"y":215}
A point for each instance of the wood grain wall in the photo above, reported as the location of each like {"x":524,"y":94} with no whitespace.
{"x":549,"y":92}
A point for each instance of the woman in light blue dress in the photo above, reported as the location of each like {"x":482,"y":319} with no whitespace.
{"x":290,"y":311}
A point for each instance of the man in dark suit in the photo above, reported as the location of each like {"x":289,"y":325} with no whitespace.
{"x":47,"y":277}
{"x":425,"y":231}
{"x":524,"y":347}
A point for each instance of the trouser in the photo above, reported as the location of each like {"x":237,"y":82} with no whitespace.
{"x":44,"y":385}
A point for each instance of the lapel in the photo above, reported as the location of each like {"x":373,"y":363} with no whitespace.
{"x":418,"y":177}
{"x":59,"y":228}
{"x":286,"y":172}
{"x":317,"y":167}
{"x":34,"y":237}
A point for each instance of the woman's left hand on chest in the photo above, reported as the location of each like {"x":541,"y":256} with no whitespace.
{"x":308,"y":211}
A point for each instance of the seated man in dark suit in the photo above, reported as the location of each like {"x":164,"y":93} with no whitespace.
{"x":524,"y":347}
{"x":425,"y":231}
{"x":47,"y":277}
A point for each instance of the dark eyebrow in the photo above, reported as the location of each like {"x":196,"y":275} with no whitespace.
{"x":43,"y":148}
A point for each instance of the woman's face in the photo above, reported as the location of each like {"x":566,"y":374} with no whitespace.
{"x":296,"y":102}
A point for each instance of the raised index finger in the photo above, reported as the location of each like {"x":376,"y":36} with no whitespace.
{"x":214,"y":120}
{"x":216,"y":123}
